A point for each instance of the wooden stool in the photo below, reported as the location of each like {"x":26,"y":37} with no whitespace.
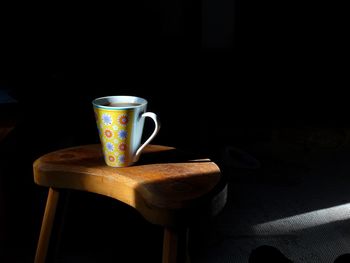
{"x":168,"y":187}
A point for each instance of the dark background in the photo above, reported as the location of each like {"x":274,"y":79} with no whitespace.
{"x":247,"y":62}
{"x":215,"y":72}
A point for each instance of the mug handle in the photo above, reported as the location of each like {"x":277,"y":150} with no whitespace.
{"x":154,"y":117}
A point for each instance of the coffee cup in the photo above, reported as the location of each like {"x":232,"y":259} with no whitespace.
{"x":120,"y":122}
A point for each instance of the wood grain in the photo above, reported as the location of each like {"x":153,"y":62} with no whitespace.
{"x":167,"y":186}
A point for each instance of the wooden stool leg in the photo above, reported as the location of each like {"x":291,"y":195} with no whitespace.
{"x":46,"y":226}
{"x":175,"y":245}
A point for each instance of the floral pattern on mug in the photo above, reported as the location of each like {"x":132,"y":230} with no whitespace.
{"x":111,"y":158}
{"x":107,"y":119}
{"x":109,"y":133}
{"x":121,"y":158}
{"x":123,"y":134}
{"x":123,"y":119}
{"x":115,"y":135}
{"x":122,"y":147}
{"x":110,"y":146}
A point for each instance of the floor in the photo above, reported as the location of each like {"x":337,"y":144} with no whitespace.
{"x":301,"y":206}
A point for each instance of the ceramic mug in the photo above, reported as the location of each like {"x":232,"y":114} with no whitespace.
{"x":120,"y":121}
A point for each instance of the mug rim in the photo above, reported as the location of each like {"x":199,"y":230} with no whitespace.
{"x":140,"y":101}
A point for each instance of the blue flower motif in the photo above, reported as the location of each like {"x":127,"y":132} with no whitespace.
{"x":123,"y":134}
{"x":121,"y":158}
{"x":110,"y":146}
{"x":106,"y":119}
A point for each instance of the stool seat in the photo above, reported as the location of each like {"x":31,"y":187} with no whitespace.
{"x":167,"y":186}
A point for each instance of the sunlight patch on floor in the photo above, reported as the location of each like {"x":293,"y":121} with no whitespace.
{"x":304,"y":221}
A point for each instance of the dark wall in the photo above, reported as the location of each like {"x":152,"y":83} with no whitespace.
{"x":210,"y":71}
{"x":203,"y":68}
